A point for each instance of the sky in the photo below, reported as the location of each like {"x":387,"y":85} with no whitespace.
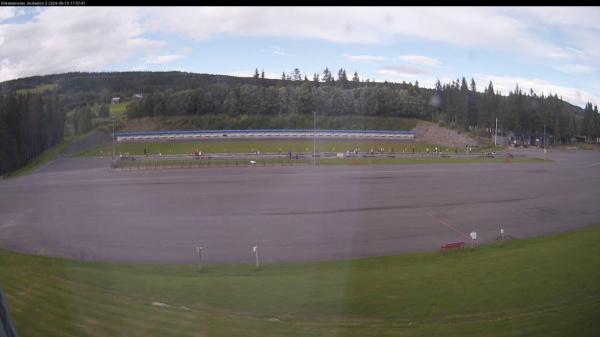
{"x":551,"y":50}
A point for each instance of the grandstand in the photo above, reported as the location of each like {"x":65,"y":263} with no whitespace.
{"x":262,"y":134}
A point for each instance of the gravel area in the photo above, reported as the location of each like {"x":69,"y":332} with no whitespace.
{"x":77,"y":208}
{"x":434,"y":134}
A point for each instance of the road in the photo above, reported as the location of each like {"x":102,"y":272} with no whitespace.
{"x":77,"y":208}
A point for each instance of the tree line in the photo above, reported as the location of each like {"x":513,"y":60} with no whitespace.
{"x":29,"y":124}
{"x":456,"y":104}
{"x":33,"y":110}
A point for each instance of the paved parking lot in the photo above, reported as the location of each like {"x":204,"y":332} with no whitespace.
{"x":76,"y":207}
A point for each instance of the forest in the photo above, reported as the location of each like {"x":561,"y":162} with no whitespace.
{"x":35,"y":111}
{"x":29,"y":124}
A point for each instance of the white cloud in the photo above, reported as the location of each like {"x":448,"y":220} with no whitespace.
{"x":9,"y":12}
{"x":71,"y":39}
{"x":277,"y":50}
{"x":161,"y":59}
{"x":409,"y":71}
{"x":92,"y":39}
{"x":575,"y":69}
{"x":504,"y":29}
{"x":359,"y":58}
{"x":420,"y":59}
{"x":505,"y":84}
{"x":586,"y":17}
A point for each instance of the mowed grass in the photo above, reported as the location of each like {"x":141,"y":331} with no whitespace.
{"x":205,"y":162}
{"x":264,"y":146}
{"x":429,"y":160}
{"x":39,"y":89}
{"x":48,"y":155}
{"x":546,"y":286}
{"x":45,"y":157}
{"x":118,"y":109}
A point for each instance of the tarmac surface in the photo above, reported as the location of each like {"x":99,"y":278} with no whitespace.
{"x":77,"y":208}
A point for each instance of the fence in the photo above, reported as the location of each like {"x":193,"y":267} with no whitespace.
{"x":264,"y":134}
{"x":141,"y":162}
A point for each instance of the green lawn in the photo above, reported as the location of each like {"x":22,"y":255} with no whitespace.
{"x":205,"y":162}
{"x":547,"y":286}
{"x":118,"y":109}
{"x":50,"y":154}
{"x":264,"y":146}
{"x":429,"y":160}
{"x":46,"y":156}
{"x":39,"y":89}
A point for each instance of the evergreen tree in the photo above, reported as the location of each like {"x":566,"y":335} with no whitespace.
{"x":104,"y":111}
{"x":327,"y":78}
{"x":342,"y":76}
{"x":84,"y":119}
{"x":297,"y":75}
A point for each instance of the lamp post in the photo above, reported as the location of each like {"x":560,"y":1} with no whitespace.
{"x":255,"y":250}
{"x":544,"y":140}
{"x":199,"y":252}
{"x":113,"y":138}
{"x":496,"y":133}
{"x":314,"y":135}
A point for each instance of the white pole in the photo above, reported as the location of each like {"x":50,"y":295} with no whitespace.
{"x":255,"y":249}
{"x":496,"y":132}
{"x":314,"y":135}
{"x":199,"y":251}
{"x":544,"y":140}
{"x":113,"y":152}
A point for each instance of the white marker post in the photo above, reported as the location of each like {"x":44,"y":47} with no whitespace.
{"x":255,"y":250}
{"x":501,"y":233}
{"x":473,"y":238}
{"x":199,"y":252}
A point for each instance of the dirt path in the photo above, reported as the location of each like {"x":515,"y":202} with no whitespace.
{"x":95,"y":138}
{"x":432,"y":133}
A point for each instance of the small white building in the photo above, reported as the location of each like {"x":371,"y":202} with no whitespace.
{"x":115,"y":100}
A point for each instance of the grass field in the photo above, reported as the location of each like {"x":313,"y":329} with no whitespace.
{"x":166,"y":163}
{"x":39,"y":89}
{"x":50,"y":154}
{"x":264,"y":146}
{"x":547,"y":286}
{"x":118,"y":109}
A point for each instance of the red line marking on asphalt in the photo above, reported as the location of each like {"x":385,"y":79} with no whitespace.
{"x":448,"y":225}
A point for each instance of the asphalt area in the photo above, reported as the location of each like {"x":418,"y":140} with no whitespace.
{"x":77,"y":208}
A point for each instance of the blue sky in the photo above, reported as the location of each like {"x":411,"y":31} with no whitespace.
{"x":547,"y":49}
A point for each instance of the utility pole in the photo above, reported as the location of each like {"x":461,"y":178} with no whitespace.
{"x":544,"y":140}
{"x":496,"y":132}
{"x":255,"y":250}
{"x":113,"y":140}
{"x":199,"y":252}
{"x":314,"y":135}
